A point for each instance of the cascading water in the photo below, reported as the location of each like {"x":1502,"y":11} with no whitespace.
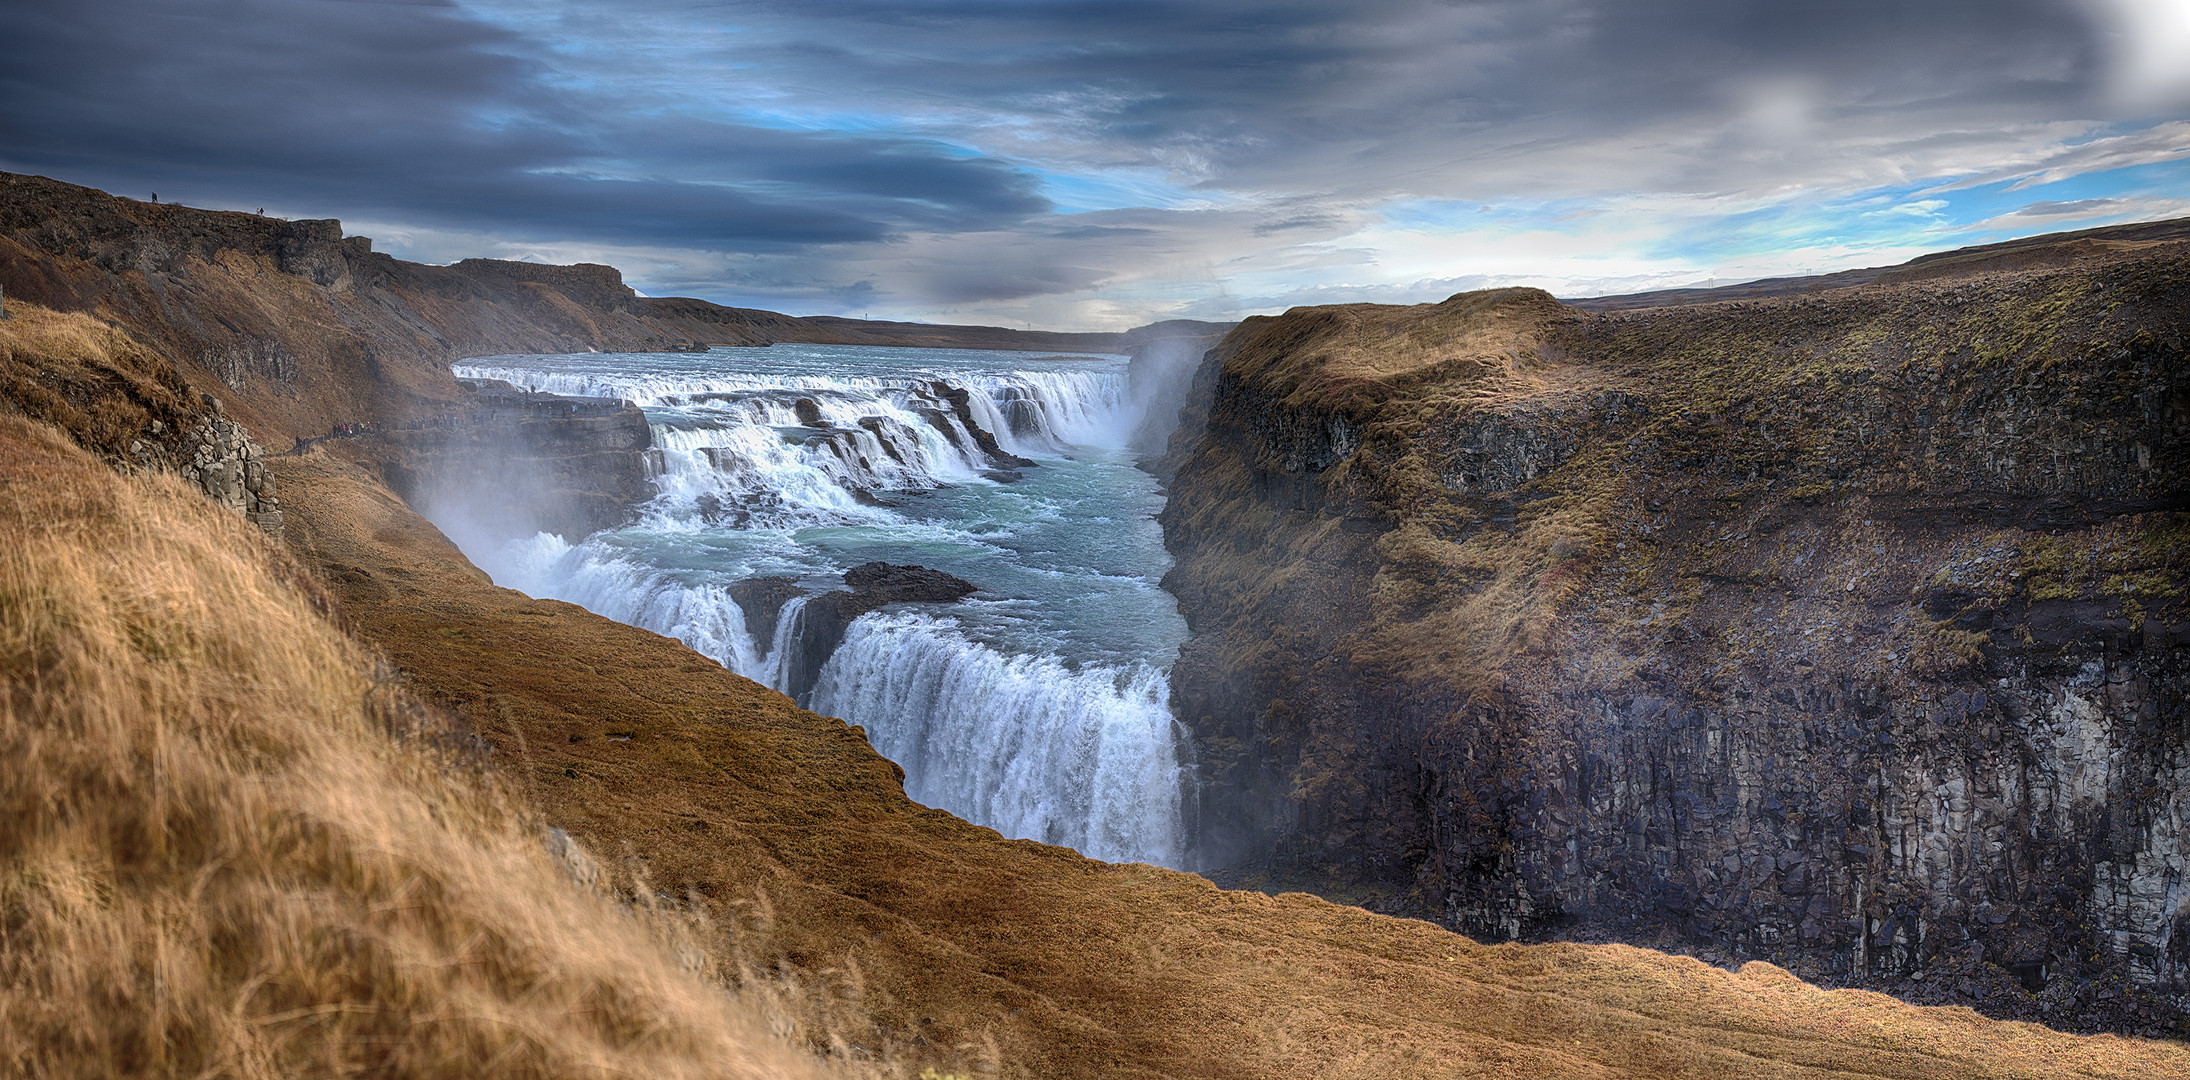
{"x":1036,"y":707}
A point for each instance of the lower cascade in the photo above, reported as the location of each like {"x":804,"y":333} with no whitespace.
{"x":1038,"y":706}
{"x":1020,"y":743}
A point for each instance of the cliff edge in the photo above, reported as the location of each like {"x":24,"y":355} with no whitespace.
{"x":1843,"y":630}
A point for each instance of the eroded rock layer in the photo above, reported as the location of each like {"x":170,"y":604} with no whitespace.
{"x":1846,"y":631}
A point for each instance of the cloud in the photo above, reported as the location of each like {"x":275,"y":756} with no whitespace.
{"x":2147,"y":42}
{"x":424,"y":112}
{"x":2077,"y":209}
{"x":1110,"y":159}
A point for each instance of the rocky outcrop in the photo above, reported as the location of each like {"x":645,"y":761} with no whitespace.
{"x":506,"y":463}
{"x":1845,"y":631}
{"x":960,"y":401}
{"x":224,"y":463}
{"x":823,"y":619}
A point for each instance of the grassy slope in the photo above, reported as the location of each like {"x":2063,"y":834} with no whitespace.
{"x":235,"y":849}
{"x":1007,"y":953}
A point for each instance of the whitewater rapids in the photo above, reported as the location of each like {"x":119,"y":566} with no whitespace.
{"x":1039,"y":707}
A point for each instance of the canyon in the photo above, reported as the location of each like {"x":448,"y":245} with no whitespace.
{"x":1844,"y":630}
{"x":1832,"y":632}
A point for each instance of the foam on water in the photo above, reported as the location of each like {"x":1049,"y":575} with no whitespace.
{"x":1039,"y":708}
{"x":1023,"y":744}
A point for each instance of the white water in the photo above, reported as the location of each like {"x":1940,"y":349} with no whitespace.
{"x":1034,"y":749}
{"x":1038,"y":707}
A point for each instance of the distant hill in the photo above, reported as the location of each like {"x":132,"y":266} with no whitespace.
{"x":2031,"y":252}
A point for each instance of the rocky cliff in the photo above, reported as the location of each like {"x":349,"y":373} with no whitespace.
{"x":1844,"y":630}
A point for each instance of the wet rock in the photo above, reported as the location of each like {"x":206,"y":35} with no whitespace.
{"x":823,"y":620}
{"x":885,"y":583}
{"x":762,"y":599}
{"x":961,"y":405}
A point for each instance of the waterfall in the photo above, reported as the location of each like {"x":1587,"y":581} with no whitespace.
{"x":1083,"y":758}
{"x":1037,"y":711}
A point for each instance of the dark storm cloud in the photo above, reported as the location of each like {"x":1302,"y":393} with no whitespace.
{"x":1367,"y":96}
{"x":422,"y":112}
{"x":908,"y":150}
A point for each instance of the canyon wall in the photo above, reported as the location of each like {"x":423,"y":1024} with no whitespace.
{"x":1843,"y":630}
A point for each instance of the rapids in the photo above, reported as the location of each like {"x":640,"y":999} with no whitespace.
{"x":1039,"y":706}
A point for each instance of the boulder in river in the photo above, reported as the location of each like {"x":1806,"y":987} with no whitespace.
{"x":821,"y":623}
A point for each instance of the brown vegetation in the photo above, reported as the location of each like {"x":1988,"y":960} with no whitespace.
{"x":234,"y":847}
{"x":107,"y":392}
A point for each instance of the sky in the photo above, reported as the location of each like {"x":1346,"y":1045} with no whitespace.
{"x":1080,"y":165}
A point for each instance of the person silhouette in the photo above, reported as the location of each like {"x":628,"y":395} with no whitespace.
{"x":155,"y":196}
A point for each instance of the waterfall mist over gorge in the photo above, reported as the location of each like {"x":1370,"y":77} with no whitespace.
{"x":1039,"y":704}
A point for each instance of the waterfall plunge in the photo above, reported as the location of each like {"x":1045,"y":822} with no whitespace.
{"x":1077,"y":753}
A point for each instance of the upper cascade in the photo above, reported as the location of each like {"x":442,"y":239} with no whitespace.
{"x":765,"y":450}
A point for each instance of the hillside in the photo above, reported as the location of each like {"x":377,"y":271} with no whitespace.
{"x":1843,"y":630}
{"x":2030,"y":252}
{"x":298,"y":327}
{"x":238,"y":846}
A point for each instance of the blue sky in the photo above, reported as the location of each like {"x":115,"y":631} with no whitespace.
{"x":1083,"y":165}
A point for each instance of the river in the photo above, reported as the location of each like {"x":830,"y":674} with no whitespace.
{"x":1038,"y":706}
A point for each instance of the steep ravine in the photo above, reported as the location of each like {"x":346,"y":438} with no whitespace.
{"x":1845,"y":631}
{"x":901,"y":938}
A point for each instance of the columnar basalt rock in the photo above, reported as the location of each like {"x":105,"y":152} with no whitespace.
{"x":1848,"y":632}
{"x":226,"y":464}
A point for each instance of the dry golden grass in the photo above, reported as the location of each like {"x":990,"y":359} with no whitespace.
{"x":90,"y":380}
{"x":987,"y":957}
{"x":230,"y":849}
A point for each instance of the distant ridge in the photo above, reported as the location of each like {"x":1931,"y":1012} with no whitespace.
{"x":2030,"y":252}
{"x":299,"y":327}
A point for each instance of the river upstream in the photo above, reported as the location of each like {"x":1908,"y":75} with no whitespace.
{"x":1038,"y":706}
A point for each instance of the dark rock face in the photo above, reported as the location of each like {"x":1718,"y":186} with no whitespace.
{"x":1848,"y":633}
{"x":504,"y":464}
{"x":227,"y":465}
{"x":960,"y":404}
{"x":822,"y":621}
{"x":883,"y":583}
{"x":762,"y":600}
